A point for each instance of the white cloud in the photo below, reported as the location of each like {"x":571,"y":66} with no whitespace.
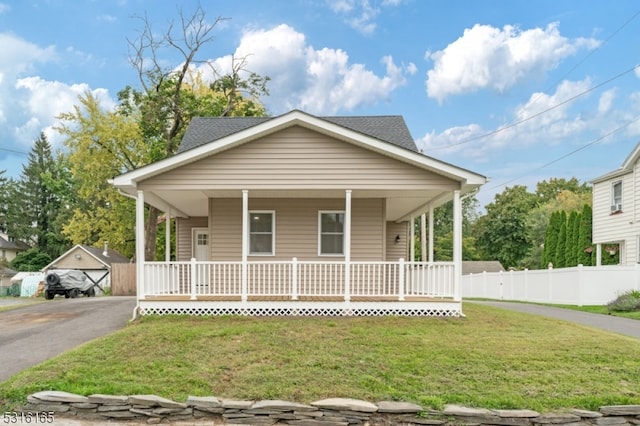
{"x":489,"y":57}
{"x":361,"y":14}
{"x":606,"y":101}
{"x":319,"y":81}
{"x":4,"y":8}
{"x":545,"y":119}
{"x":42,"y":101}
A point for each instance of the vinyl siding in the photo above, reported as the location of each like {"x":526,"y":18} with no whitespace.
{"x":395,"y":250}
{"x":184,"y":248}
{"x":86,"y":261}
{"x":622,"y":227}
{"x":296,"y":229}
{"x":298,"y":158}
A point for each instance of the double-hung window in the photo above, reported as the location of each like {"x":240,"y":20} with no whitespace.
{"x":616,"y":196}
{"x":262,"y":232}
{"x":331,"y":233}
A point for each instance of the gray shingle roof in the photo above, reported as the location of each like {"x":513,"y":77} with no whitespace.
{"x":388,"y":128}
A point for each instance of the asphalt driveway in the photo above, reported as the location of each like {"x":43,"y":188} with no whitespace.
{"x":34,"y":333}
{"x":626,"y":326}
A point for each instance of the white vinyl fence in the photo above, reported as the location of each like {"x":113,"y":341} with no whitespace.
{"x":580,"y":285}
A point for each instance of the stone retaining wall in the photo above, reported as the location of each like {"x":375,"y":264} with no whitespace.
{"x":328,"y":412}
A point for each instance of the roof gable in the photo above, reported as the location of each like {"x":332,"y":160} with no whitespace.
{"x":390,"y":129}
{"x":626,"y":167}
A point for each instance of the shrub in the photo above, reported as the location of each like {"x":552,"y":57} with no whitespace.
{"x":626,"y":302}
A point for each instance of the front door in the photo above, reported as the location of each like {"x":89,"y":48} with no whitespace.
{"x":201,"y":244}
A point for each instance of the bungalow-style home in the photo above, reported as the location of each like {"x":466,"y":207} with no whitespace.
{"x":616,"y":214}
{"x":298,"y":215}
{"x":94,"y":262}
{"x":10,"y":247}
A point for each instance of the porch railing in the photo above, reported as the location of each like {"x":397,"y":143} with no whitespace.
{"x":299,"y":279}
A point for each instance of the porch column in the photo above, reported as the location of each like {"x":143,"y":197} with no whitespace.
{"x":430,"y":233}
{"x":423,"y":237}
{"x":140,"y":245}
{"x":598,"y":254}
{"x":167,"y":236}
{"x":347,"y":246}
{"x":245,"y":241}
{"x":412,"y":236}
{"x":457,"y":244}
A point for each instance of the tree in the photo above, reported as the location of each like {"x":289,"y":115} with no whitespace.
{"x":585,"y":248}
{"x":549,"y":191}
{"x":570,"y":244}
{"x":35,"y":205}
{"x":101,"y":144}
{"x":168,"y":100}
{"x":4,"y":200}
{"x":31,"y":260}
{"x":562,"y":242}
{"x":502,"y":233}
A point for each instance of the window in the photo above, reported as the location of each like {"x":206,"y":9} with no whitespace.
{"x":616,"y":196}
{"x":331,"y":235}
{"x":261,"y":232}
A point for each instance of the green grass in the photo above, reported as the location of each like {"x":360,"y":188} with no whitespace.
{"x":492,"y":358}
{"x":599,"y":309}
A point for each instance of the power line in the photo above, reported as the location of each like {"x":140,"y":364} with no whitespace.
{"x":516,"y":123}
{"x":577,"y":65}
{"x":593,"y":142}
{"x":14,"y":151}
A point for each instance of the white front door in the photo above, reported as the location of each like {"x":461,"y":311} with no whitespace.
{"x":201,"y":244}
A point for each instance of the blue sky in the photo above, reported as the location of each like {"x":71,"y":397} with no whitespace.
{"x":519,"y":91}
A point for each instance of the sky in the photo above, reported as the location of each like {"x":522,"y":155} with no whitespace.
{"x":519,"y":91}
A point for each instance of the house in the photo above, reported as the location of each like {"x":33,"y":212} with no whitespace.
{"x":298,"y":215}
{"x":5,"y":280}
{"x":10,"y":247}
{"x":616,"y":214}
{"x":94,"y":262}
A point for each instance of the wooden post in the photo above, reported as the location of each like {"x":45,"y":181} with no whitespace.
{"x":347,"y":246}
{"x":140,"y":245}
{"x":245,"y":242}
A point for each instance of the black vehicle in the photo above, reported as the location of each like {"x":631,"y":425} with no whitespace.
{"x":69,"y":283}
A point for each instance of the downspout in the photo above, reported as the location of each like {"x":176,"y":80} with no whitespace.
{"x":136,"y":309}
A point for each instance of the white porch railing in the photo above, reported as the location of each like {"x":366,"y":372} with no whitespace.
{"x":297,"y":279}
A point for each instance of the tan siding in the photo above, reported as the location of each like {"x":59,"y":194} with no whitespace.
{"x":297,"y":227}
{"x":226,"y":229}
{"x":298,"y":158}
{"x":184,"y":247}
{"x":395,"y":250}
{"x":86,"y":261}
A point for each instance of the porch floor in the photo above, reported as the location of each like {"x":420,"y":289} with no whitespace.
{"x":176,"y":298}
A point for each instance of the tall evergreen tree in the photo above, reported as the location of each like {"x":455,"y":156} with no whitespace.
{"x":551,"y":240}
{"x":35,"y":206}
{"x":586,"y":255}
{"x":562,"y":241}
{"x":574,"y":239}
{"x":570,"y":248}
{"x":4,"y":200}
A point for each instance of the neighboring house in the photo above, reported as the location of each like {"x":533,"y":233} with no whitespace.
{"x":616,"y":211}
{"x":298,"y":215}
{"x":10,"y":247}
{"x":5,"y":280}
{"x":93,"y":261}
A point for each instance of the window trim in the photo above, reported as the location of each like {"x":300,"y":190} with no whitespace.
{"x":320,"y":213}
{"x":273,"y":233}
{"x":616,"y":207}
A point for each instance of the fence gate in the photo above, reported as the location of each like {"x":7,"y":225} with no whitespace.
{"x":123,"y":279}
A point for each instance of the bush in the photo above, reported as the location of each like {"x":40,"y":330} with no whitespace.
{"x":626,"y":302}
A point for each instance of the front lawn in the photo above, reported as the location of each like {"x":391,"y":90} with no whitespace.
{"x":492,"y":358}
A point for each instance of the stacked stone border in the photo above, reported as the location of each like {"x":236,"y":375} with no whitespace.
{"x":153,"y":409}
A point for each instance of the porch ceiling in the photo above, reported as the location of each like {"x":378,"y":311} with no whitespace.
{"x":195,"y":203}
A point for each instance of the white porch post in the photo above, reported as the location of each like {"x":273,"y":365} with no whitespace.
{"x":140,"y":245}
{"x":598,"y":254}
{"x":430,"y":233}
{"x":423,"y":237}
{"x":167,"y":236}
{"x":245,"y":241}
{"x":457,"y":244}
{"x":347,"y":246}
{"x":412,"y":236}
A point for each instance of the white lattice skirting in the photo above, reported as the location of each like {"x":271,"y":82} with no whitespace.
{"x":423,"y":309}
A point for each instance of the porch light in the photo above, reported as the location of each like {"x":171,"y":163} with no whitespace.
{"x":397,"y":238}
